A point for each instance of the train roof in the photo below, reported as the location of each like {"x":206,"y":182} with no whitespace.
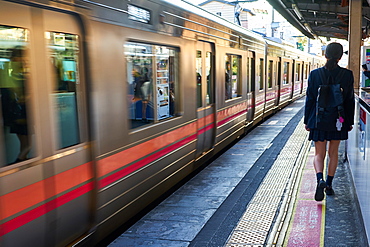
{"x":190,"y":7}
{"x":169,"y":16}
{"x":174,"y":14}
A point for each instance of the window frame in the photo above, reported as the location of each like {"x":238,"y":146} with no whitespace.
{"x":261,"y":74}
{"x":154,"y":79}
{"x":297,"y":72}
{"x":270,"y":73}
{"x":19,"y":93}
{"x":229,"y":57}
{"x":79,"y":97}
{"x":286,"y":67}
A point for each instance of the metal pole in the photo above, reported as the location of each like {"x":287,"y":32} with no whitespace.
{"x":272,"y":22}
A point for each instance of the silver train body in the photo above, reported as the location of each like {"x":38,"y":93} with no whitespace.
{"x":106,"y":105}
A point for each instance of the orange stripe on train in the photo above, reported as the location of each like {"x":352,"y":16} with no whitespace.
{"x":205,"y":121}
{"x":19,"y":200}
{"x":116,"y":161}
{"x":231,"y":111}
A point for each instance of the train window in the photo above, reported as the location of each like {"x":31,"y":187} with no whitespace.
{"x":232,"y":78}
{"x":248,"y":74}
{"x":252,"y":72}
{"x":261,"y":74}
{"x":17,"y":133}
{"x":152,"y":82}
{"x":306,"y":72}
{"x":198,"y":68}
{"x":209,"y":97}
{"x":286,"y":73}
{"x":270,"y":68}
{"x":275,"y":73}
{"x":297,"y":72}
{"x":64,"y":56}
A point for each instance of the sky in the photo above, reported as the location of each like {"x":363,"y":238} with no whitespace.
{"x":259,"y":4}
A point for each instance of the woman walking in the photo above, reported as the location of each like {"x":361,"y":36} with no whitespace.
{"x":316,"y":117}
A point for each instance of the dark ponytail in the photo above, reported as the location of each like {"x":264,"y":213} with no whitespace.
{"x":331,"y":64}
{"x":333,"y":53}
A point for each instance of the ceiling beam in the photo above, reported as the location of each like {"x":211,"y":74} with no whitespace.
{"x":280,"y":7}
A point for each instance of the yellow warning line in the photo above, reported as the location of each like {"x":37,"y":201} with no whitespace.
{"x":323,"y":212}
{"x":322,"y":233}
{"x":306,"y":168}
{"x":295,"y":199}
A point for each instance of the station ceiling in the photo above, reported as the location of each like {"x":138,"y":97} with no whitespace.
{"x":328,"y":18}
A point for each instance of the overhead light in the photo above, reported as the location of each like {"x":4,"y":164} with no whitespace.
{"x":296,"y":11}
{"x":308,"y":27}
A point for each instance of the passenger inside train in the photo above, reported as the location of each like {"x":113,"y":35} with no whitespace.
{"x":14,"y":100}
{"x":150,"y":102}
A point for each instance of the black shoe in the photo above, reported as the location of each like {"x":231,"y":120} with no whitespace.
{"x":319,"y":195}
{"x":329,"y":191}
{"x":16,"y":161}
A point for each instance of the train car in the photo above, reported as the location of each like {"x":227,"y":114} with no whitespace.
{"x":106,"y":105}
{"x":287,"y":72}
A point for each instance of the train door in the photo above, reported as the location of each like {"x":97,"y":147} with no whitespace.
{"x":297,"y":80}
{"x":260,"y":89}
{"x":16,"y":124}
{"x":304,"y":77}
{"x":278,"y":81}
{"x":45,"y":170}
{"x":292,"y":78}
{"x":286,"y":84}
{"x":271,"y":84}
{"x":205,"y":97}
{"x":251,"y":88}
{"x":65,"y":77}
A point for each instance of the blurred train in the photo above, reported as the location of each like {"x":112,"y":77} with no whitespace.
{"x":106,"y":105}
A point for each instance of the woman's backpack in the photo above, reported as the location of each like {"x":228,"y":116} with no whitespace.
{"x":329,"y":103}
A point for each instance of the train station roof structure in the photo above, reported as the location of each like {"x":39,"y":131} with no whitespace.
{"x":328,"y":18}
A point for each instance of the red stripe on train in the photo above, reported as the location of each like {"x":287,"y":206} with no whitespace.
{"x":39,"y":211}
{"x":230,"y":118}
{"x":205,"y":129}
{"x":124,"y":172}
{"x":33,"y":214}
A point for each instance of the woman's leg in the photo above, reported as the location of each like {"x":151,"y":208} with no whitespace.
{"x":333,"y":156}
{"x":143,"y":110}
{"x":25,"y":146}
{"x":320,"y":152}
{"x":333,"y":163}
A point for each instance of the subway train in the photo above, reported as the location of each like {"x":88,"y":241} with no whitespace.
{"x":106,"y":105}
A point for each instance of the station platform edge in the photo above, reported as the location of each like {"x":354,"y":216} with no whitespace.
{"x":260,"y":192}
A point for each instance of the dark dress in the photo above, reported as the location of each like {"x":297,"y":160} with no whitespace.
{"x":314,"y":81}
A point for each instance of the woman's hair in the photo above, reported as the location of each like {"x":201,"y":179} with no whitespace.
{"x":333,"y":52}
{"x":145,"y":74}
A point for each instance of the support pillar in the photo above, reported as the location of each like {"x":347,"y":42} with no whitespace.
{"x":355,"y":40}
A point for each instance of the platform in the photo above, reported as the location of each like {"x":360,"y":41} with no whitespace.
{"x":258,"y":193}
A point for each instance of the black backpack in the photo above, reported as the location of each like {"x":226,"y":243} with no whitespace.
{"x":329,"y":103}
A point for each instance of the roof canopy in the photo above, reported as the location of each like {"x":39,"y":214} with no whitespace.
{"x":328,"y":18}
